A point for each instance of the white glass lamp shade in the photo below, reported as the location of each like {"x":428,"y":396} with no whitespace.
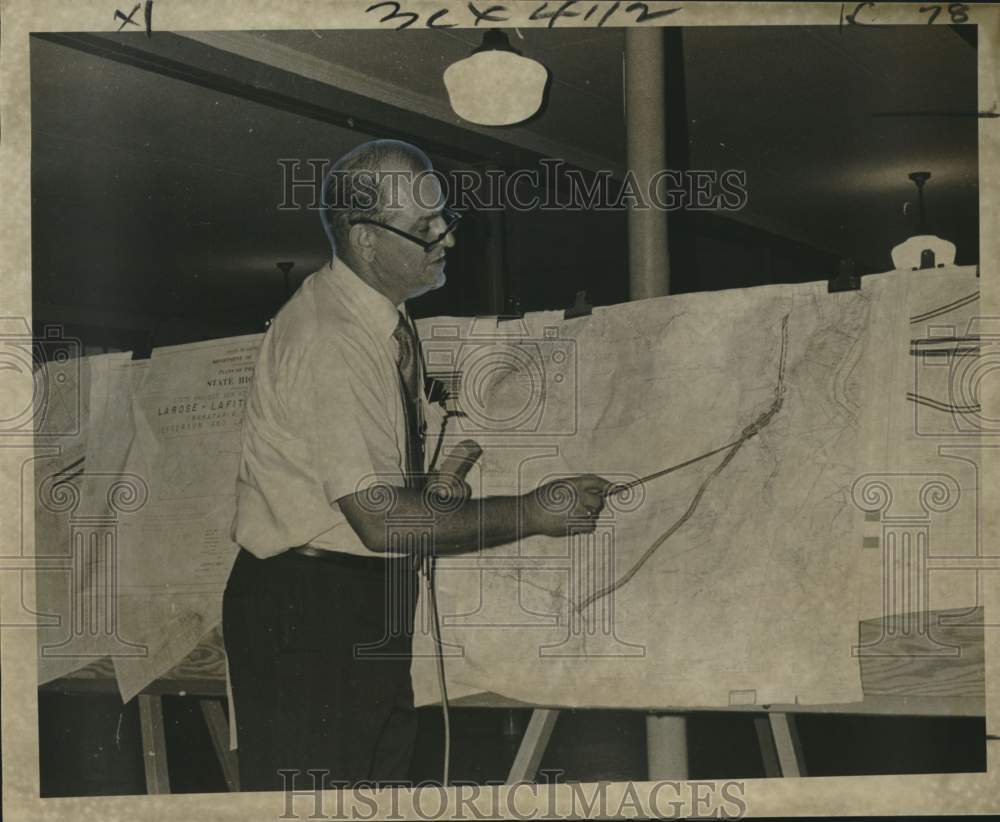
{"x":906,"y":255}
{"x":495,"y":88}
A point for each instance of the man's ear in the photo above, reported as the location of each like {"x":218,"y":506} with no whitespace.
{"x":363,"y":240}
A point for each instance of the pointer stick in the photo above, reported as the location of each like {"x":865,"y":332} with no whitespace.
{"x":617,"y":487}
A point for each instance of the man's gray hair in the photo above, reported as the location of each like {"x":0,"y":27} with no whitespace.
{"x":356,"y":187}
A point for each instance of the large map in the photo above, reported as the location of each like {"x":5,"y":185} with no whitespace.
{"x":726,"y":581}
{"x":735,"y":574}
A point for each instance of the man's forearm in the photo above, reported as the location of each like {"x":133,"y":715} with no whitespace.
{"x":452,"y":523}
{"x":473,"y":524}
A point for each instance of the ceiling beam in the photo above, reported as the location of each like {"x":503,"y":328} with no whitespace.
{"x":337,"y":72}
{"x":189,"y":61}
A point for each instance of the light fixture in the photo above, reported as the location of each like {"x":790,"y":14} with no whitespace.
{"x":923,"y":250}
{"x":495,"y":85}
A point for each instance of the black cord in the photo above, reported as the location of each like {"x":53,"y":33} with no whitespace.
{"x":428,"y":569}
{"x":427,"y":566}
{"x":437,"y":448}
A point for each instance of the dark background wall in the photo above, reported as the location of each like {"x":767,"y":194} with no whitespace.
{"x":156,"y":182}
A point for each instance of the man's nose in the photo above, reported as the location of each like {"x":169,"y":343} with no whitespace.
{"x":448,"y":240}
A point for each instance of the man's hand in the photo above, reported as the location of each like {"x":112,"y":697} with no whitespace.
{"x":550,"y":508}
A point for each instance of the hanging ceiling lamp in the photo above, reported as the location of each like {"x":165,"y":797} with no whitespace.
{"x":495,"y":85}
{"x":923,"y":249}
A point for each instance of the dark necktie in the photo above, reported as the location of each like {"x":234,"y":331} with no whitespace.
{"x":409,"y":375}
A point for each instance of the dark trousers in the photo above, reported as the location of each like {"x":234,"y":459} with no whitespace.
{"x":319,"y":658}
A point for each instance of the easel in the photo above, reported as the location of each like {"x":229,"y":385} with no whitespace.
{"x":780,"y":749}
{"x":154,"y":742}
{"x":893,"y":685}
{"x":776,"y":735}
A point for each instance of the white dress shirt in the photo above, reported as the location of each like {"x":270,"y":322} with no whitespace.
{"x":324,"y":416}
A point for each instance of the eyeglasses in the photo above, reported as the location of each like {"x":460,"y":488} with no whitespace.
{"x":451,"y":219}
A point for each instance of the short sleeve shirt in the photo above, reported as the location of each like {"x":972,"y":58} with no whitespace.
{"x":324,"y":417}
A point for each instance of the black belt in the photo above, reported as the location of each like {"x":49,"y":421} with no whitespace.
{"x":376,"y":564}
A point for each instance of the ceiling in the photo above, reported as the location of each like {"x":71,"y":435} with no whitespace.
{"x":585,"y":67}
{"x":156,"y":195}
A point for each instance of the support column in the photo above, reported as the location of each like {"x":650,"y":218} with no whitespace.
{"x":649,"y":266}
{"x":649,"y":276}
{"x":666,"y":747}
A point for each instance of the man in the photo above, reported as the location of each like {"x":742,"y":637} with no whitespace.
{"x":318,"y":614}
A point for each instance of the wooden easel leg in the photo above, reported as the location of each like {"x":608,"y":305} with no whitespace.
{"x":218,"y":729}
{"x":768,"y":751}
{"x":786,"y":741}
{"x":536,"y":738}
{"x":154,"y":743}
